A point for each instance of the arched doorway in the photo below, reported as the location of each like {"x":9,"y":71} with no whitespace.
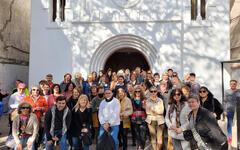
{"x":126,"y":58}
{"x":120,"y":42}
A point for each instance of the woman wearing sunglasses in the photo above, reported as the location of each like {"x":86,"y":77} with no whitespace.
{"x":177,"y":119}
{"x":210,"y":103}
{"x":139,"y":116}
{"x":25,"y":127}
{"x":155,"y":118}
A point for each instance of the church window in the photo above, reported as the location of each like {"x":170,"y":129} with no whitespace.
{"x":194,"y":9}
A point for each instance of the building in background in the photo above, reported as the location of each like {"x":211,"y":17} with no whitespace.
{"x":235,"y":37}
{"x":89,"y":35}
{"x":14,"y":42}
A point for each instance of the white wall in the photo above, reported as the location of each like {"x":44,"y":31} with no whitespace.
{"x":59,"y":48}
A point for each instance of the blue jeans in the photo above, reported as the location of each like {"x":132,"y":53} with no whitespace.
{"x":1,"y":108}
{"x":25,"y":140}
{"x":77,"y":144}
{"x":62,"y":142}
{"x":230,"y":116}
{"x":114,"y":134}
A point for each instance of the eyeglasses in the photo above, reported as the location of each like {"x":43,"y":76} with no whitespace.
{"x":35,"y":89}
{"x":137,"y":91}
{"x":153,"y":91}
{"x":107,"y":93}
{"x":177,"y":94}
{"x":25,"y":107}
{"x":202,"y":91}
{"x":149,"y":73}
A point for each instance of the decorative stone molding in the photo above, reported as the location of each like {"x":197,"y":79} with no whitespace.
{"x":117,"y":42}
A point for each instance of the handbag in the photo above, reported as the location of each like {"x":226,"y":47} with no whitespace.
{"x":86,"y":138}
{"x":187,"y":134}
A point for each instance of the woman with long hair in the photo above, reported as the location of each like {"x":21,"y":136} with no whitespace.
{"x":94,"y":76}
{"x":139,"y":116}
{"x":125,"y":112}
{"x":69,"y":90}
{"x":208,"y":101}
{"x":176,"y":119}
{"x":114,"y":81}
{"x":81,"y":123}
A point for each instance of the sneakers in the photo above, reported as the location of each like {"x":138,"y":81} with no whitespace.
{"x":230,"y":140}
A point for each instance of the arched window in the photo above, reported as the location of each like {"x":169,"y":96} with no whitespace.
{"x":194,"y":9}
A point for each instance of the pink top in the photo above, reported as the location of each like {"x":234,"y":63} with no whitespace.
{"x":52,"y":100}
{"x":68,"y":94}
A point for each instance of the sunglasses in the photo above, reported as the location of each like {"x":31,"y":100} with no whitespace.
{"x":25,"y":107}
{"x":202,"y":91}
{"x":153,"y":91}
{"x":177,"y":94}
{"x":137,"y":91}
{"x":35,"y":89}
{"x":174,"y":75}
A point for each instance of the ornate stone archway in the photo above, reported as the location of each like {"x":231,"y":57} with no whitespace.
{"x":122,"y":41}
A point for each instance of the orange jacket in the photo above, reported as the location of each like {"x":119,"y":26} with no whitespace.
{"x":41,"y":102}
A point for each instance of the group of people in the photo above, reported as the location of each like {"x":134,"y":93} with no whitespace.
{"x":174,"y":114}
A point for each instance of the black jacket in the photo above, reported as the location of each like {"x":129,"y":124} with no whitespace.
{"x":207,"y":127}
{"x":80,"y":120}
{"x":48,"y":120}
{"x":213,"y":105}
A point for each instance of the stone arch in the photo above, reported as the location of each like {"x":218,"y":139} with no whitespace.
{"x":117,"y":42}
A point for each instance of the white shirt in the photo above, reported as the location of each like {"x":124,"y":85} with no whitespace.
{"x":109,"y":112}
{"x":14,"y":100}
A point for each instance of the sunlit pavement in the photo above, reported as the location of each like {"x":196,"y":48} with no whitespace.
{"x":4,"y":128}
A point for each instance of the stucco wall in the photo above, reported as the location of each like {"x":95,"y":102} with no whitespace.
{"x":14,"y":41}
{"x":69,"y":46}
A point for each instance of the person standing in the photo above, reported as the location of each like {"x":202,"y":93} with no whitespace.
{"x":139,"y":116}
{"x":94,"y":105}
{"x":190,"y":81}
{"x":109,"y":116}
{"x":125,"y":113}
{"x":67,"y":79}
{"x":38,"y":102}
{"x":2,"y":95}
{"x":81,"y":123}
{"x":177,"y":119}
{"x":49,"y":79}
{"x":56,"y":124}
{"x":14,"y":100}
{"x":229,"y":104}
{"x":155,"y":118}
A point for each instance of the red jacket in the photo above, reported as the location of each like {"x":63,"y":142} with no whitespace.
{"x":41,"y":102}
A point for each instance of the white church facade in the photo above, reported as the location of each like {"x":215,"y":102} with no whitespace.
{"x":88,"y":35}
